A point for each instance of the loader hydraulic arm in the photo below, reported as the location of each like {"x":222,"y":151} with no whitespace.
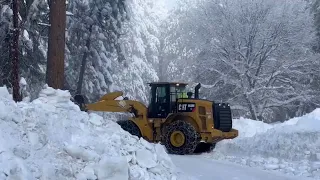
{"x":109,"y":103}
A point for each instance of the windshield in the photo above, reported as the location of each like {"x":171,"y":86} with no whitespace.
{"x":181,"y":89}
{"x":177,"y":89}
{"x":177,"y":92}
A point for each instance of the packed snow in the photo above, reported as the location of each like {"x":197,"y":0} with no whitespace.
{"x":292,"y":147}
{"x":199,"y":168}
{"x":50,"y":138}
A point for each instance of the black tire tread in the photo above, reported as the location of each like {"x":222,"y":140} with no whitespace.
{"x":190,"y":133}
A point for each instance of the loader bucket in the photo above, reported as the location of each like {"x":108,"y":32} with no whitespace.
{"x":111,"y":96}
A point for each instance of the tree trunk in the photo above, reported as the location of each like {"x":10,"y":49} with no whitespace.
{"x":84,"y":62}
{"x":56,"y":44}
{"x":251,"y":108}
{"x":14,"y":53}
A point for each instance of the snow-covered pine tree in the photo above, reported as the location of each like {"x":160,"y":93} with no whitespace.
{"x":123,"y":49}
{"x":102,"y":20}
{"x":5,"y":22}
{"x":35,"y":23}
{"x":141,"y":46}
{"x":32,"y":42}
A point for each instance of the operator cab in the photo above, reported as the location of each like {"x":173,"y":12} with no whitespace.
{"x":164,"y":96}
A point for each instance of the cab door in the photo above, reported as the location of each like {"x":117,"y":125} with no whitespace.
{"x":160,"y":101}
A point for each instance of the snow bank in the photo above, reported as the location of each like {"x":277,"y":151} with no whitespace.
{"x":290,"y":140}
{"x":292,"y":147}
{"x":249,"y":128}
{"x":50,"y":138}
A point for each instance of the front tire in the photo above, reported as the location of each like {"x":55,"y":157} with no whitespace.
{"x":130,"y":127}
{"x":180,"y":138}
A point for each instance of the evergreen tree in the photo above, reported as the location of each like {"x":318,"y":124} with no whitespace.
{"x":114,"y":39}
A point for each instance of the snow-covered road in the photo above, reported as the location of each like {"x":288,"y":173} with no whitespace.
{"x":199,"y":168}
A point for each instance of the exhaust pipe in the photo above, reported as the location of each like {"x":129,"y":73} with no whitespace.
{"x":196,"y":91}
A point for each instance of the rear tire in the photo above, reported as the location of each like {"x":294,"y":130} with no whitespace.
{"x":130,"y":127}
{"x":189,"y":134}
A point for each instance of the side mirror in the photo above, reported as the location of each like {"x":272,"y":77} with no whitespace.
{"x":189,"y":94}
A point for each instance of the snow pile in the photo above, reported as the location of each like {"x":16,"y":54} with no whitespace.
{"x":249,"y":128}
{"x":292,"y":147}
{"x":291,"y":140}
{"x":50,"y":138}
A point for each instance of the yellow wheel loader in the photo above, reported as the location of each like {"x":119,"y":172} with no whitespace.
{"x":183,"y":123}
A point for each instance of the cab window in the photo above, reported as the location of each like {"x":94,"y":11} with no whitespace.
{"x":177,"y":92}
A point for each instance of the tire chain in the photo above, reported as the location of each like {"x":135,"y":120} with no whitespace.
{"x":191,"y":137}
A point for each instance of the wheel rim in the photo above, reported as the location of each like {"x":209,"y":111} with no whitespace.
{"x":177,"y":138}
